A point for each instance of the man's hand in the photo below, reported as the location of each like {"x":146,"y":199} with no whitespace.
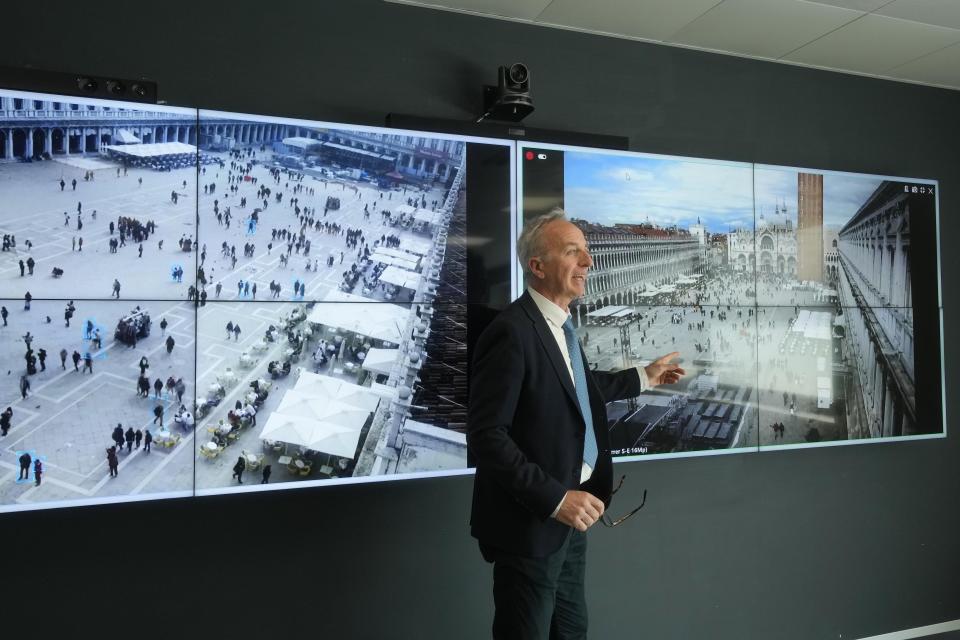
{"x":580,"y":509}
{"x":662,"y":371}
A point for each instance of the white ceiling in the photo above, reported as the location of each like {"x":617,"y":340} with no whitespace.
{"x":907,"y":40}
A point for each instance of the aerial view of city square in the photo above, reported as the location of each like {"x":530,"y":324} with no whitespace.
{"x":230,"y":273}
{"x":793,"y":317}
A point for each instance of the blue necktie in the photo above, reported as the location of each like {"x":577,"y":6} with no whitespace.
{"x":583,"y":398}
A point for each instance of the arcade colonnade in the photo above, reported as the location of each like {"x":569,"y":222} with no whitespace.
{"x":874,"y":287}
{"x":29,"y":128}
{"x":623,"y":266}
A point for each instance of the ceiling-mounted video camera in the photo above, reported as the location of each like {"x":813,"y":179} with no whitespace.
{"x":510,"y":100}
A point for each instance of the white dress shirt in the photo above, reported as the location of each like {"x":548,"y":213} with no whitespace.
{"x":555,"y":317}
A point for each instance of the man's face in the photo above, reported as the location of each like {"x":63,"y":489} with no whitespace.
{"x":561,"y":271}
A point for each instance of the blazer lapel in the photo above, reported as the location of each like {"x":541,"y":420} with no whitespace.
{"x":550,"y":346}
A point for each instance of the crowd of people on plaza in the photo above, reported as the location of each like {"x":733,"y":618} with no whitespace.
{"x":315,"y":218}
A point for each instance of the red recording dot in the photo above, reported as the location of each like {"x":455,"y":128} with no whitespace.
{"x":529,"y":155}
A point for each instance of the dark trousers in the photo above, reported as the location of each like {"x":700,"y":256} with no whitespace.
{"x":541,"y":598}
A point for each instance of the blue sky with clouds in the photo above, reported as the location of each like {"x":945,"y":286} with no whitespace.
{"x":610,"y":189}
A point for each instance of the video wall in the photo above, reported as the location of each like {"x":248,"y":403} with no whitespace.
{"x":199,"y":302}
{"x":805,"y":304}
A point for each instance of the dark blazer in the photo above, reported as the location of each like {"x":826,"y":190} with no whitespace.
{"x":525,"y":432}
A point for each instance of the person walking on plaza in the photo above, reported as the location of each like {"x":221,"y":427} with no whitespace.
{"x":129,"y":436}
{"x":238,"y":469}
{"x":26,"y":301}
{"x":158,"y":415}
{"x":170,"y":343}
{"x":138,"y":438}
{"x":147,"y":440}
{"x":236,"y":332}
{"x":24,"y":387}
{"x":76,"y":360}
{"x":42,"y":357}
{"x":157,"y":388}
{"x":112,"y":462}
{"x":537,"y":431}
{"x":25,"y":460}
{"x":116,"y":288}
{"x":163,"y":326}
{"x":87,"y":363}
{"x":117,"y":435}
{"x":144,"y":364}
{"x":5,"y":418}
{"x":37,"y":471}
{"x":229,"y":328}
{"x":266,"y":474}
{"x":3,"y":314}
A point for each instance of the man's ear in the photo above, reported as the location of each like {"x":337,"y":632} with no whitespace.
{"x":536,"y":267}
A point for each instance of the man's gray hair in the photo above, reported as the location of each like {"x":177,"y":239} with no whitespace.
{"x":530,"y":242}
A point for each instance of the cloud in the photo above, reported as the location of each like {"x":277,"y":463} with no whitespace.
{"x":612,"y":189}
{"x":664,"y":191}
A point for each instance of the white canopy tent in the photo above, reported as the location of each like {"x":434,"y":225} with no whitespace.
{"x":327,"y":437}
{"x":125,"y":136}
{"x":301,"y":142}
{"x":298,"y":403}
{"x":152,"y":150}
{"x":410,"y":263}
{"x":418,"y":246}
{"x":334,"y":390}
{"x":358,"y":151}
{"x":400,"y":277}
{"x":427,"y":217}
{"x":377,"y":320}
{"x":381,"y":360}
{"x":608,"y":310}
{"x":814,"y":325}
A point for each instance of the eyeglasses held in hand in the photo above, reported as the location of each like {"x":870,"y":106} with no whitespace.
{"x":605,"y":519}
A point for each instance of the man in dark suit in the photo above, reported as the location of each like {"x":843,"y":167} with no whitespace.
{"x":537,"y":434}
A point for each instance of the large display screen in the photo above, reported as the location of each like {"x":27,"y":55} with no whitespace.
{"x":215,"y":302}
{"x":805,"y":304}
{"x":199,"y":302}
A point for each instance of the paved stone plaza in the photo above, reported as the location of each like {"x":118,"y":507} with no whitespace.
{"x":743,"y":350}
{"x":68,"y":415}
{"x":33,"y":211}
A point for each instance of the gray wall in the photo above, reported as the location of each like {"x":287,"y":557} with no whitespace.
{"x":828,"y":543}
